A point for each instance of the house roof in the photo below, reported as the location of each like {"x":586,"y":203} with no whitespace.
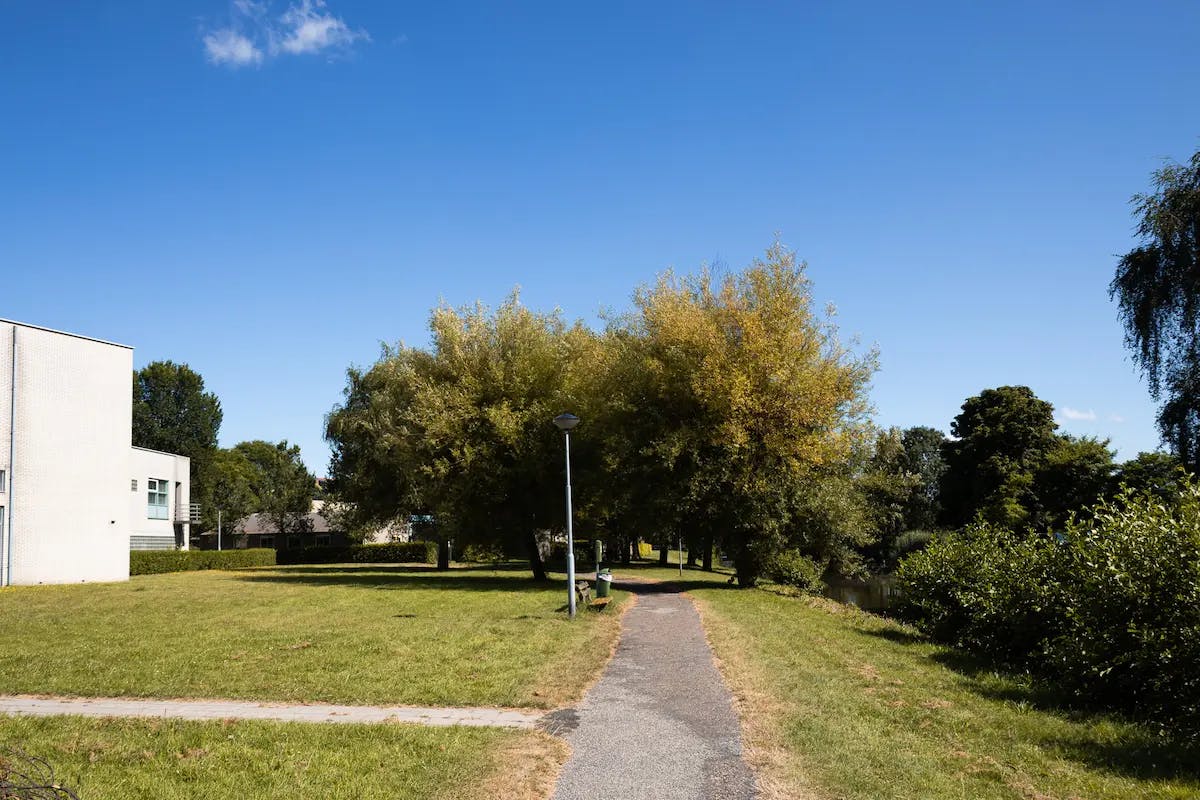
{"x":261,"y":523}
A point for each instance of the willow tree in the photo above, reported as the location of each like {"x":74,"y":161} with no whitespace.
{"x":461,"y":431}
{"x":1157,"y":287}
{"x":736,"y":400}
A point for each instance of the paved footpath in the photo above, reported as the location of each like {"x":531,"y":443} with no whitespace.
{"x":659,"y":724}
{"x":233,"y":709}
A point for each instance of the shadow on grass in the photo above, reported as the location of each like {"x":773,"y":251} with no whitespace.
{"x":511,"y":578}
{"x":1125,"y":748}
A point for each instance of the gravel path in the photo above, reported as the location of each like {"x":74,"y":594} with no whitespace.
{"x":233,"y":709}
{"x":659,"y":724}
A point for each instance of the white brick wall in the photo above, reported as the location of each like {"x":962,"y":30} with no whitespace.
{"x":158,"y":534}
{"x":68,"y":501}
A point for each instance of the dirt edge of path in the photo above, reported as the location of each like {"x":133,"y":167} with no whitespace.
{"x":777,"y":778}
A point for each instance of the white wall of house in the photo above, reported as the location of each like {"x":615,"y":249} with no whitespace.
{"x":159,"y":496}
{"x":66,"y":459}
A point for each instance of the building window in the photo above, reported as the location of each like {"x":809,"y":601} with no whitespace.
{"x":1,"y":519}
{"x":133,"y":485}
{"x":3,"y":479}
{"x":322,"y":540}
{"x":156,"y":499}
{"x":266,"y":541}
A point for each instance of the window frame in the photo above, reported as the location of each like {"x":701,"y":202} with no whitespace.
{"x":158,"y":488}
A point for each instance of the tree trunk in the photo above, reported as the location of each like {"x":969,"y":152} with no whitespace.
{"x":663,"y":550}
{"x":708,"y":550}
{"x":443,"y":554}
{"x":691,"y":557}
{"x":747,"y":569}
{"x":628,"y":546}
{"x":535,"y":558}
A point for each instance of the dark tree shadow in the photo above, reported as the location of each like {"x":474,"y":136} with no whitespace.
{"x":1133,"y":751}
{"x":398,"y":577}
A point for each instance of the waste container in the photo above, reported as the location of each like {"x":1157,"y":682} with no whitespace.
{"x":603,"y":582}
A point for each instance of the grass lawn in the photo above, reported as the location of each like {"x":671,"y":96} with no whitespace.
{"x":841,"y":704}
{"x":175,"y":760}
{"x":371,"y":634}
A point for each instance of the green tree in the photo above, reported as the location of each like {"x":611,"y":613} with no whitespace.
{"x":281,"y":484}
{"x":739,"y":402}
{"x":922,"y":458}
{"x":462,"y":432}
{"x":172,"y":412}
{"x":230,"y":491}
{"x":1076,"y":474}
{"x":1160,"y":474}
{"x":1002,"y":438}
{"x":1157,"y":288}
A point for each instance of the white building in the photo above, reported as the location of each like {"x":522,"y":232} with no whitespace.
{"x":158,"y":500}
{"x":74,"y":494}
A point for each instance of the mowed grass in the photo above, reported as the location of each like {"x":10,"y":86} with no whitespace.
{"x":837,"y":703}
{"x":342,"y":633}
{"x":177,"y":760}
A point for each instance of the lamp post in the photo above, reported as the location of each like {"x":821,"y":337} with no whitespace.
{"x":565,"y":422}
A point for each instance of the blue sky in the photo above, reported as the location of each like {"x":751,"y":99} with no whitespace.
{"x":267,"y":191}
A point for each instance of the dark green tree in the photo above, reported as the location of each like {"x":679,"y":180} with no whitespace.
{"x":1077,"y":473}
{"x":1002,"y":438}
{"x":1160,"y":474}
{"x":922,"y":457}
{"x":230,"y":490}
{"x":282,"y":485}
{"x":172,"y":412}
{"x":1157,"y":288}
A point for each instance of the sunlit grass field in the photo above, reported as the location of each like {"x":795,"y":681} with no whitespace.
{"x":178,"y":760}
{"x":369,"y":634}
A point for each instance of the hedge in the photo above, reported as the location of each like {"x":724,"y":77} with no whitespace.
{"x":389,"y":553}
{"x":153,"y":562}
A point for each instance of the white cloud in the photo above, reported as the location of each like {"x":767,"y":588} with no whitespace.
{"x":1117,"y":418}
{"x":227,"y":46}
{"x":309,"y":28}
{"x":305,"y":27}
{"x":1076,"y":415}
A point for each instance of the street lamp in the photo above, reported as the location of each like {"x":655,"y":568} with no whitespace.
{"x":565,"y":422}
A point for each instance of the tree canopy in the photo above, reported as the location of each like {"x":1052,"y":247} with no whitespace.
{"x":172,"y":412}
{"x":1157,"y":288}
{"x":724,"y":403}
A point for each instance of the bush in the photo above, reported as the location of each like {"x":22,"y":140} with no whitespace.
{"x":1108,"y":610}
{"x":154,"y":562}
{"x":984,"y":590}
{"x":482,"y":554}
{"x":795,"y":569}
{"x":388,"y":553}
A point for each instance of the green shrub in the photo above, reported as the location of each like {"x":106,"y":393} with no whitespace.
{"x":387,"y":553}
{"x":794,"y":569}
{"x":985,"y":590}
{"x":153,"y":562}
{"x":1108,"y":610}
{"x":1131,"y":608}
{"x":482,"y":554}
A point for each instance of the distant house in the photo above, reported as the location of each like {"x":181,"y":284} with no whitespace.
{"x":259,"y":530}
{"x":75,"y":495}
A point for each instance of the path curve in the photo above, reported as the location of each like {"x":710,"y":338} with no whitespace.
{"x":21,"y":705}
{"x":659,"y":724}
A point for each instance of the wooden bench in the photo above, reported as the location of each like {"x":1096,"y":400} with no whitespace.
{"x":599,"y":603}
{"x":583,"y":593}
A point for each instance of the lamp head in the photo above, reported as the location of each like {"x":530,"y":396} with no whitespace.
{"x":565,"y":422}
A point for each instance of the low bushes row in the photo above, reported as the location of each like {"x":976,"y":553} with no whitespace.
{"x":388,"y":553}
{"x":1107,"y":610}
{"x":153,"y":562}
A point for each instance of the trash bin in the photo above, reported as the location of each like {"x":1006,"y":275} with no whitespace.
{"x":603,"y":582}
